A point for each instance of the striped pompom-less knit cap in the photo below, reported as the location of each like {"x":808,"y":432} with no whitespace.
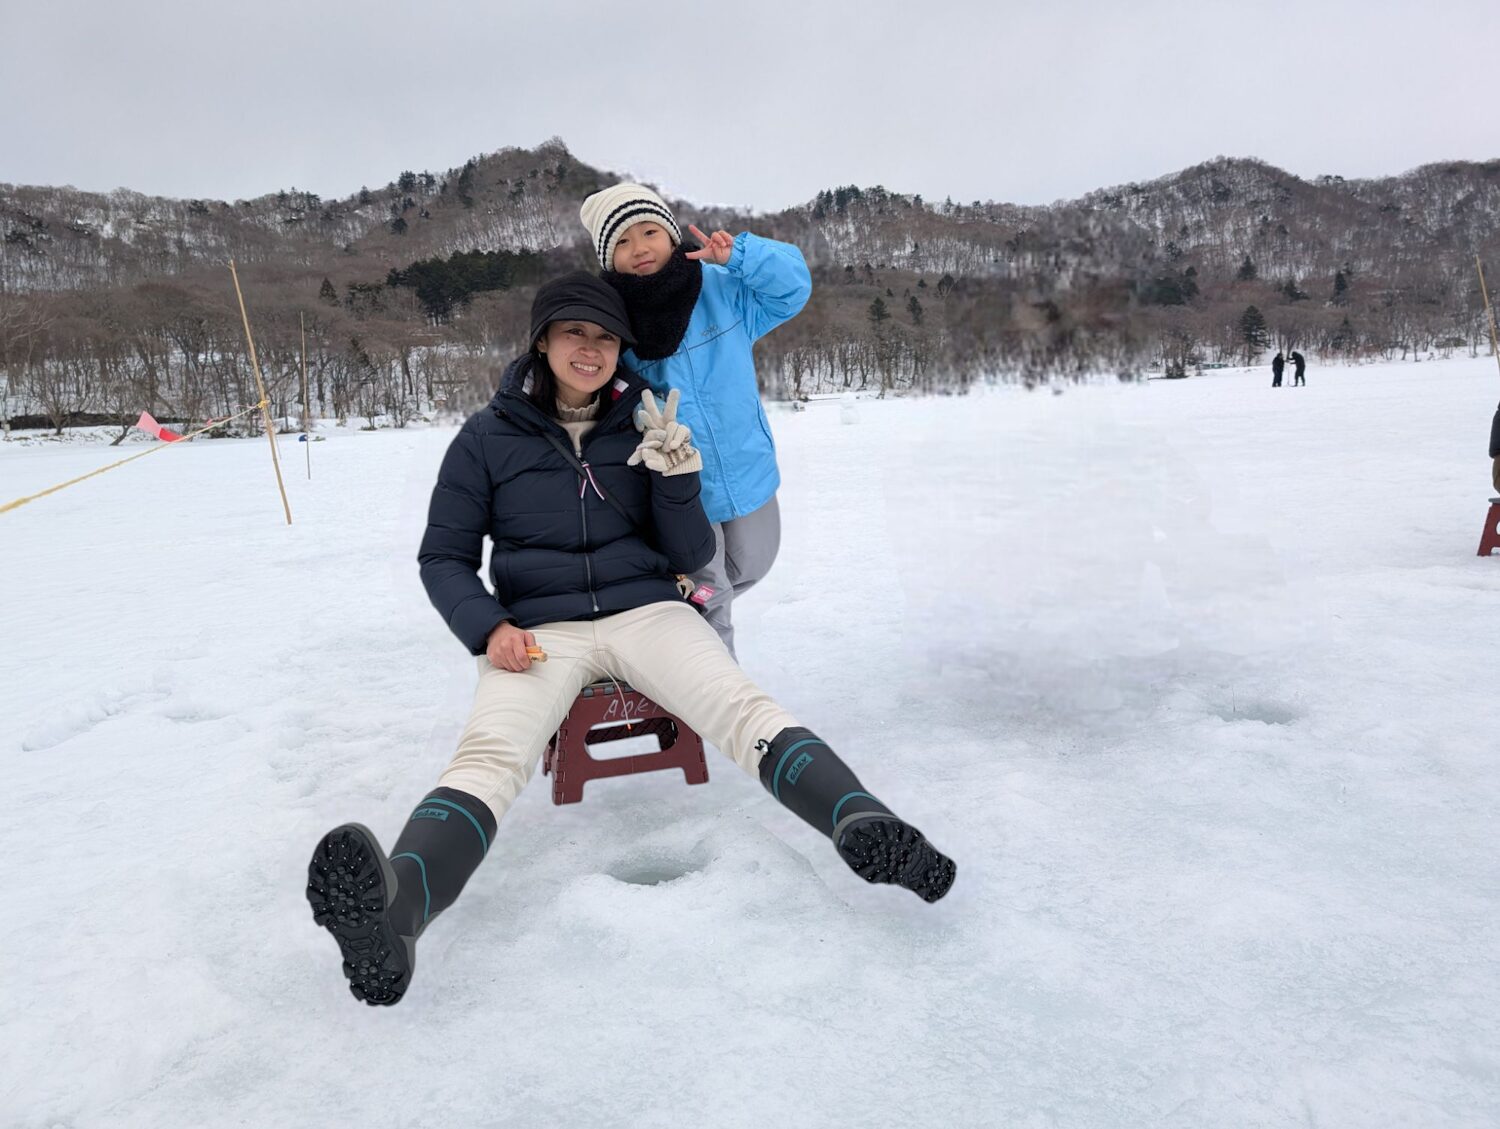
{"x":608,"y":212}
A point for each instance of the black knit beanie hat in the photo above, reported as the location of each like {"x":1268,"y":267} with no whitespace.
{"x":579,"y":296}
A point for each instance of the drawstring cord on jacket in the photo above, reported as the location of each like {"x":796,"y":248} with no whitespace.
{"x":584,"y":485}
{"x":584,"y":482}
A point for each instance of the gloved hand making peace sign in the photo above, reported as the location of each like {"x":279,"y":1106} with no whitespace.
{"x":666,"y":445}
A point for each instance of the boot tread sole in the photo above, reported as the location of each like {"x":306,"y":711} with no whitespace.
{"x":888,"y":850}
{"x":350,"y":886}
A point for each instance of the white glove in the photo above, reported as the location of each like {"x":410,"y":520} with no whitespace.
{"x":666,"y":446}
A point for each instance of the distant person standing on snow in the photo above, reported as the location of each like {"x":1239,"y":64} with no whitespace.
{"x":1301,"y":362}
{"x":1278,"y":363}
{"x":696,"y":314}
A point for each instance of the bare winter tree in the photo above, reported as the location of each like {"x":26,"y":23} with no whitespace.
{"x":24,"y":328}
{"x":65,"y":384}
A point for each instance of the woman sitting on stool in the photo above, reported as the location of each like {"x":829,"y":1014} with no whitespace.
{"x":591,"y":523}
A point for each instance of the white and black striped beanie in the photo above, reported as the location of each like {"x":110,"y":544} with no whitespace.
{"x":608,"y":212}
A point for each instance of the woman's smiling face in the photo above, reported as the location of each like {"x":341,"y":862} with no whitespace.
{"x":582,"y":356}
{"x":644,"y":248}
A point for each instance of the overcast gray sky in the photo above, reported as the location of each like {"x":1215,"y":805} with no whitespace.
{"x":759,"y":105}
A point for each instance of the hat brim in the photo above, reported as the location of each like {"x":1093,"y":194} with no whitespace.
{"x":589,"y":314}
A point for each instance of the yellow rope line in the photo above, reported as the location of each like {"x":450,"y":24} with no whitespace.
{"x":19,"y":502}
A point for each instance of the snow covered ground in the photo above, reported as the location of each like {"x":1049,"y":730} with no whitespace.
{"x":1198,"y":681}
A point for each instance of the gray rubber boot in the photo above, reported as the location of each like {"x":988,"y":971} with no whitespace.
{"x":376,"y":907}
{"x":802,"y":772}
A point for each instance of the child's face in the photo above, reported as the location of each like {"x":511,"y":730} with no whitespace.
{"x":582,"y":356}
{"x":643,"y":249}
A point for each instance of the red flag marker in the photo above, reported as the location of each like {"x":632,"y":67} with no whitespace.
{"x":149,"y":425}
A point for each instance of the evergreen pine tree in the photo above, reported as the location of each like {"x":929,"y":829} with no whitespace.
{"x":1246,"y":272}
{"x":1340,"y":288}
{"x":878,"y":312}
{"x":326,"y":293}
{"x":1164,"y":290}
{"x":1253,"y":332}
{"x":1190,"y":284}
{"x":914,"y":308}
{"x":466,"y":183}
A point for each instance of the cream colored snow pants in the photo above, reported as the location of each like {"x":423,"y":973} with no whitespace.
{"x":667,"y":651}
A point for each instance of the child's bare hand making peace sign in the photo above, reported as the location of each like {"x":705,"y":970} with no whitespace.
{"x":716,"y":247}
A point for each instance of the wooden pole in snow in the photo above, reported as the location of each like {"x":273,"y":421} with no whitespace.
{"x":306,"y":414}
{"x":1489,"y":310}
{"x":265,"y":402}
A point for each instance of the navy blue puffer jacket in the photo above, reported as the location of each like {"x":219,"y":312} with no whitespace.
{"x":557,"y":556}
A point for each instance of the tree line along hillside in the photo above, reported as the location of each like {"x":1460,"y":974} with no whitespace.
{"x":412,"y":294}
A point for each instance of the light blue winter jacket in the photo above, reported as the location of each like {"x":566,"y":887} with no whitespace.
{"x":764,"y":284}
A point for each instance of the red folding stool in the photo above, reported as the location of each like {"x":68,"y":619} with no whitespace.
{"x":612,"y":711}
{"x":1489,"y":541}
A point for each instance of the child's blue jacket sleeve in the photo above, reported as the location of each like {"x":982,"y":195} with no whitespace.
{"x":775,"y":281}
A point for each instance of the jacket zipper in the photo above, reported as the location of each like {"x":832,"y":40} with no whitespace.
{"x":583,"y":512}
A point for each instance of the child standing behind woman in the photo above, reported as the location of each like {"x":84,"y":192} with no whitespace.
{"x":696,"y":315}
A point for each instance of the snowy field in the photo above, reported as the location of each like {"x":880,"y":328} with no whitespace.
{"x":1198,"y":681}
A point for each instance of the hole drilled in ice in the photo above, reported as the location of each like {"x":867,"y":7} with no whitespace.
{"x":653,"y":871}
{"x":1267,"y":713}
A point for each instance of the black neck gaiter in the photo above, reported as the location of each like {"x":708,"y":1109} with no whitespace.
{"x":660,"y":304}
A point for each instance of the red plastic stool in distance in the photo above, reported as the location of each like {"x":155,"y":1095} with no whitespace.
{"x":600,"y":714}
{"x":1490,"y":541}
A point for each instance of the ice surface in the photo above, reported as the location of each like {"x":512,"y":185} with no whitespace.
{"x":1197,"y":681}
